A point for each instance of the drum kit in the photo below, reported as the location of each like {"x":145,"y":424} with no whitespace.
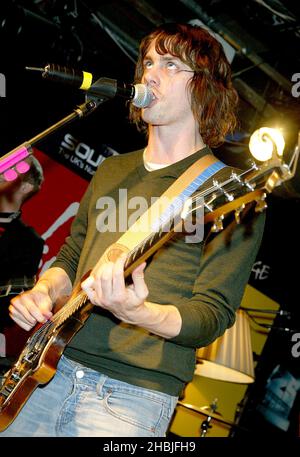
{"x":210,"y":412}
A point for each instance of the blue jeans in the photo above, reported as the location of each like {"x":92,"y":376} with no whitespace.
{"x":79,"y":401}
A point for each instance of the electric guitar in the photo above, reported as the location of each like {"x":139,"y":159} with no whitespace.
{"x":38,"y":361}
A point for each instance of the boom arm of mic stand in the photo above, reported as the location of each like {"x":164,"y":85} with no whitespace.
{"x":79,"y":112}
{"x":15,"y":158}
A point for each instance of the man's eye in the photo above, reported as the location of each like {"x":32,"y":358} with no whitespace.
{"x":171,"y":65}
{"x":148,"y":64}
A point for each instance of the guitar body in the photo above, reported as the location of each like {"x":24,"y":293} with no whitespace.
{"x":26,"y":375}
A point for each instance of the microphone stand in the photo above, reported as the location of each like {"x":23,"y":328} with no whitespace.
{"x":13,"y":163}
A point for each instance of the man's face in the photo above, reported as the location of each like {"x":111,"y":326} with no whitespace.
{"x":167,"y":76}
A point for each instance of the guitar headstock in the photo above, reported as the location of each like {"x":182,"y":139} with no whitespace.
{"x":239,"y":190}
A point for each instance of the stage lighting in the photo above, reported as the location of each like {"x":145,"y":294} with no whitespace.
{"x":264,"y":142}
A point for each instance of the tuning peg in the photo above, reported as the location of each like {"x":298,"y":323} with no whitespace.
{"x":261,"y":204}
{"x":218,"y":224}
{"x":238,"y":212}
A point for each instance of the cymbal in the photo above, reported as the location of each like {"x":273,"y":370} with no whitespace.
{"x":205,"y":411}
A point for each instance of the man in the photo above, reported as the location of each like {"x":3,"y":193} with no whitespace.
{"x":21,"y":247}
{"x":123,"y":371}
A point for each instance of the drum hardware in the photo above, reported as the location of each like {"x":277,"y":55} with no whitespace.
{"x":210,"y":412}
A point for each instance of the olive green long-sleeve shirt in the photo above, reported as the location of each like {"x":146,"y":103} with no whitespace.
{"x":206,"y":285}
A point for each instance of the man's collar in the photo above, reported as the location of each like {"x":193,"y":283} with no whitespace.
{"x":177,"y":168}
{"x":6,"y":216}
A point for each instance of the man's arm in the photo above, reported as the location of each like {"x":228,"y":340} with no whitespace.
{"x":163,"y":320}
{"x":36,"y":305}
{"x":225,"y":268}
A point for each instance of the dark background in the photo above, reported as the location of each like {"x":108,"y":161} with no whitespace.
{"x":102,"y":37}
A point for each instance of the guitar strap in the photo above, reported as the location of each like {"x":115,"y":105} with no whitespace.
{"x":168,"y":204}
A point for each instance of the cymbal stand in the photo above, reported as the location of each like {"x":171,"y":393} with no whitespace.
{"x":205,"y":426}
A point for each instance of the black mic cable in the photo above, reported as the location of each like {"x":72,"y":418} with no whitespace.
{"x":140,"y":95}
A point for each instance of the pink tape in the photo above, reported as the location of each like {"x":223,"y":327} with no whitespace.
{"x":10,"y":175}
{"x":10,"y":159}
{"x":22,"y":167}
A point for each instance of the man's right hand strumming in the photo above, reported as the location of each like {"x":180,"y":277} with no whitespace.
{"x":35,"y":305}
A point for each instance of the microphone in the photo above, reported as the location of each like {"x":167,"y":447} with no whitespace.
{"x":140,"y":95}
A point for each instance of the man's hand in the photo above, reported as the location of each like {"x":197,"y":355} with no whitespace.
{"x":32,"y":306}
{"x":106,"y":288}
{"x":36,"y":305}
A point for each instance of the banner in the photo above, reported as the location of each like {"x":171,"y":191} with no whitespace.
{"x":51,"y":211}
{"x":76,"y":153}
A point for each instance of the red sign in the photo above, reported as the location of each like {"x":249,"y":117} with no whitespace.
{"x":51,"y":211}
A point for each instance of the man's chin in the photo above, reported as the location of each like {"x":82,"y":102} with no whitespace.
{"x":150,"y":118}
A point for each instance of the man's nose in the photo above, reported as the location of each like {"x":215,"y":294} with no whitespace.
{"x":152,"y":76}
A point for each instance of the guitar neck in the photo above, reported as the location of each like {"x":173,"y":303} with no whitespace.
{"x":74,"y":304}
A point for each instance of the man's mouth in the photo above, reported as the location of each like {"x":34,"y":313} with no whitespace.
{"x":154,"y":98}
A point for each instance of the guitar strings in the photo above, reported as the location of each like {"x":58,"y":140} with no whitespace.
{"x":224,"y":183}
{"x":70,"y":307}
{"x":197,"y":197}
{"x":43,"y":332}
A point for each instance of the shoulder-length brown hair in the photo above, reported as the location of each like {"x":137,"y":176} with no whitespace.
{"x":213,"y":97}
